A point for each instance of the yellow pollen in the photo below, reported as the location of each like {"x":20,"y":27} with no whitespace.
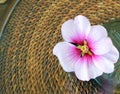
{"x":84,"y":49}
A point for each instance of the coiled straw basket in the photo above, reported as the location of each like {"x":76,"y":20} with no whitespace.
{"x":27,"y":63}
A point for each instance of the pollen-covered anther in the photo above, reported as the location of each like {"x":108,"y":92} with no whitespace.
{"x":85,"y":49}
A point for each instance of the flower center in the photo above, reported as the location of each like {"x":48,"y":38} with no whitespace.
{"x":84,"y":49}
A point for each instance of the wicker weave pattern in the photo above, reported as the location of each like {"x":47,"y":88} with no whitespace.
{"x":27,"y":65}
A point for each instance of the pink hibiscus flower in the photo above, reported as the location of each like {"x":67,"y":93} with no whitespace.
{"x":87,"y":50}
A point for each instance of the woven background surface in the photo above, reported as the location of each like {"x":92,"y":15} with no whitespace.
{"x":27,"y":64}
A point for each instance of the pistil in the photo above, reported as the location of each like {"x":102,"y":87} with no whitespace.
{"x":84,"y":48}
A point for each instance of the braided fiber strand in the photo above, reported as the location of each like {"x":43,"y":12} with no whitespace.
{"x":27,"y":63}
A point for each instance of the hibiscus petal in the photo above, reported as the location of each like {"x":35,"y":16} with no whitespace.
{"x":76,"y":30}
{"x":68,"y":30}
{"x":67,"y":54}
{"x":86,"y":70}
{"x":83,"y":24}
{"x":101,"y":47}
{"x":103,"y":64}
{"x":112,"y":56}
{"x":97,"y":32}
{"x":81,"y":71}
{"x":94,"y":71}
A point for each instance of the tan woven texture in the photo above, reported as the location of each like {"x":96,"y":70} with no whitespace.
{"x":27,"y":63}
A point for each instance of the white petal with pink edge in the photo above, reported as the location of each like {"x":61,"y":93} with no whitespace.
{"x":67,"y":55}
{"x":86,"y":70}
{"x":102,"y":47}
{"x":97,"y":32}
{"x":79,"y":27}
{"x":103,"y":64}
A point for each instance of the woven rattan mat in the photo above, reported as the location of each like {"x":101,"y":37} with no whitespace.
{"x":27,"y":64}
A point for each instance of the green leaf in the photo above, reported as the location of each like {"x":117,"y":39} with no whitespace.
{"x":113,"y":28}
